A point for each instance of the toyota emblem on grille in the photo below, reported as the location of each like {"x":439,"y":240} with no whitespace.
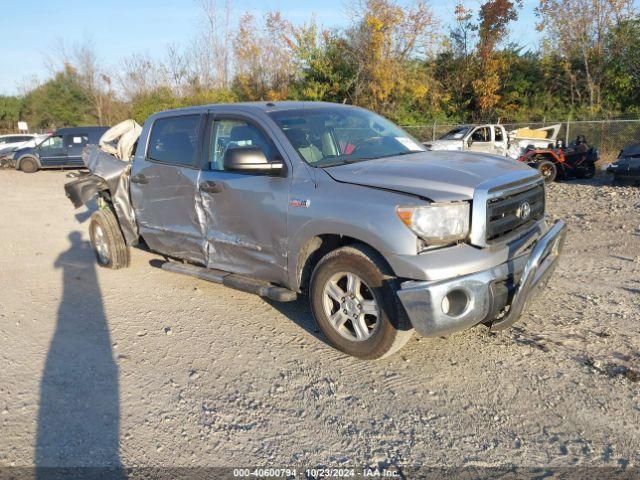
{"x":524,"y":211}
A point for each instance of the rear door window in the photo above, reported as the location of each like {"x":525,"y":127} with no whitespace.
{"x":77,"y":140}
{"x":174,"y":140}
{"x":12,"y":139}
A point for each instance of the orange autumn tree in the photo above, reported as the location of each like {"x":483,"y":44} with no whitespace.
{"x":264,"y":64}
{"x":495,"y":16}
{"x":389,"y":44}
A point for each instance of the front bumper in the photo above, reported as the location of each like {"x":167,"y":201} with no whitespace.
{"x":446,"y":306}
{"x":6,"y":160}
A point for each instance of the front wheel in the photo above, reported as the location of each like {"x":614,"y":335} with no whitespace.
{"x":29,"y":165}
{"x":354,"y":302}
{"x":107,"y":240}
{"x":548,"y":170}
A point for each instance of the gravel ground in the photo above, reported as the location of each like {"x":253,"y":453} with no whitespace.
{"x":143,"y":367}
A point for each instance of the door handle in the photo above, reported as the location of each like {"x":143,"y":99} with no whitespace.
{"x":212,"y":186}
{"x":139,"y":178}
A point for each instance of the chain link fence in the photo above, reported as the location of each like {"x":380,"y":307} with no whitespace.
{"x":608,"y":136}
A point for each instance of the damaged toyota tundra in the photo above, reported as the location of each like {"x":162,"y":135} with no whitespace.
{"x":328,"y":201}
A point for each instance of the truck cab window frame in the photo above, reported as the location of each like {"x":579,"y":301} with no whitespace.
{"x":497,"y":134}
{"x":50,"y":143}
{"x":76,"y":140}
{"x":177,"y":143}
{"x":481,"y":135}
{"x":219,"y":137}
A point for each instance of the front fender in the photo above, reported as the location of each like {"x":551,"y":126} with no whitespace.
{"x":365,"y":214}
{"x":84,"y":188}
{"x":19,"y":160}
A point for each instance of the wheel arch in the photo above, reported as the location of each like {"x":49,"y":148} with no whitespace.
{"x":317,"y":246}
{"x":27,"y":156}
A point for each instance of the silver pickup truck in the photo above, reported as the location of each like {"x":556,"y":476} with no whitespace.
{"x":333,"y":201}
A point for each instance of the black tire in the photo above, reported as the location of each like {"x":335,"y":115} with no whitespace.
{"x":107,"y":241}
{"x":589,"y":171}
{"x":29,"y":165}
{"x":392,"y":329}
{"x":618,"y":181}
{"x":548,"y":170}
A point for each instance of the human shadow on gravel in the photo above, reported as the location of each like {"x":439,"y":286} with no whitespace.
{"x":90,"y":208}
{"x":300,"y":313}
{"x":79,"y":413}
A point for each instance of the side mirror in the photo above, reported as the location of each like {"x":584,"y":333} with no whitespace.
{"x":250,"y":160}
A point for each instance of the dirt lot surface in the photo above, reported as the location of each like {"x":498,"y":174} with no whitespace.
{"x":145,"y":367}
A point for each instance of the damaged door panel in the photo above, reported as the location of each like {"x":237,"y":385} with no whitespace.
{"x":246,"y":213}
{"x":164,"y":189}
{"x":109,"y":178}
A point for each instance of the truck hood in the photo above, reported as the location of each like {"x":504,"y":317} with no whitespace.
{"x":444,"y":144}
{"x":439,"y":176}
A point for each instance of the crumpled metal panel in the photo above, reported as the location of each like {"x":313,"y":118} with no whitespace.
{"x":164,"y":208}
{"x":116,"y":174}
{"x":244,"y":227}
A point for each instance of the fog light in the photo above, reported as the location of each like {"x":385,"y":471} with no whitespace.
{"x":455,"y":303}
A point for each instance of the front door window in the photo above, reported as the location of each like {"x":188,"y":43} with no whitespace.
{"x":52,"y":143}
{"x":481,"y":134}
{"x":228,"y":134}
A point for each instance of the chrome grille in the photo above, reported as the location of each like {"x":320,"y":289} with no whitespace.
{"x":505,"y":213}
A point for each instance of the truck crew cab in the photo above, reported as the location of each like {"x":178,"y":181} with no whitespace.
{"x":333,"y":202}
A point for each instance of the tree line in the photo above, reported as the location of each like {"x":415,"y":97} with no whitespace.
{"x":398,"y":60}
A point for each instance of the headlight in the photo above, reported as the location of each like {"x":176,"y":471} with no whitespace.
{"x":438,"y":223}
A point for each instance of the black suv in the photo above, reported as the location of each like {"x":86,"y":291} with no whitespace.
{"x":62,"y":149}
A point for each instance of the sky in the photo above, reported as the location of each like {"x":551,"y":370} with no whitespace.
{"x":32,"y":29}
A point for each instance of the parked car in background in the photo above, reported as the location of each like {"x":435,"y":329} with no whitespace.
{"x":61,"y":149}
{"x":578,"y":160}
{"x":627,"y":166}
{"x":9,"y":143}
{"x":494,"y":139}
{"x":15,"y":140}
{"x":332,"y":201}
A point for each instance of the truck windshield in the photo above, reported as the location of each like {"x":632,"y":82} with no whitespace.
{"x":326,"y":136}
{"x":455,"y":134}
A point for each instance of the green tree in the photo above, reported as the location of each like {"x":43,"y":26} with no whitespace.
{"x":10,"y":108}
{"x":622,"y":67}
{"x":148,"y":103}
{"x":326,"y":70}
{"x":59,"y":102}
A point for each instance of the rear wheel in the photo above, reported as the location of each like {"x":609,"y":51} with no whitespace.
{"x":588,"y":171}
{"x":107,"y":241}
{"x":29,"y":165}
{"x":353,"y":299}
{"x":548,"y":170}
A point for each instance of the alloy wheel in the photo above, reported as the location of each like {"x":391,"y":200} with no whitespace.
{"x":350,"y":306}
{"x":100,"y":244}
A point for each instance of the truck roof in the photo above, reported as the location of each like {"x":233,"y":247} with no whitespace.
{"x":264,"y":106}
{"x":89,"y":128}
